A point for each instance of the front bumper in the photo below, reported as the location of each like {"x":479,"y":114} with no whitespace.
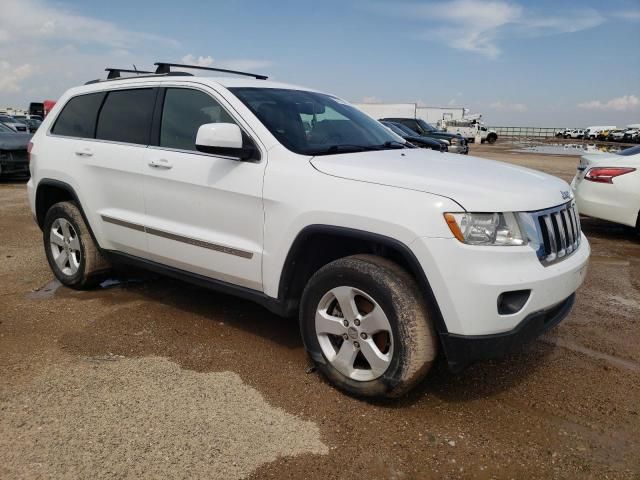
{"x":459,"y":148}
{"x":468,"y":280}
{"x":463,"y":350}
{"x":14,"y":163}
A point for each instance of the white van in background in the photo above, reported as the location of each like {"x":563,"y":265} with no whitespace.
{"x":591,"y":133}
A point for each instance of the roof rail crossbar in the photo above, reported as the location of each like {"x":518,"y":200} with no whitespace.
{"x":166,"y":68}
{"x":116,"y":72}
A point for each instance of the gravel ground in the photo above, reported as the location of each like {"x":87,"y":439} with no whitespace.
{"x":151,"y":377}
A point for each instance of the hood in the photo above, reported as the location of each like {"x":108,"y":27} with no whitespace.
{"x":476,"y":184}
{"x":441,"y":134}
{"x":14,"y":141}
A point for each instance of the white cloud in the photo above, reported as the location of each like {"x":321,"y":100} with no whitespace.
{"x":619,"y":104}
{"x":44,"y":22}
{"x":189,"y":59}
{"x":480,"y":26}
{"x":630,"y":15}
{"x":240,"y":64}
{"x":12,"y":76}
{"x":46,"y":48}
{"x":508,"y":107}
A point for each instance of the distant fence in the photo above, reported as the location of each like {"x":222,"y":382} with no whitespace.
{"x":535,"y":132}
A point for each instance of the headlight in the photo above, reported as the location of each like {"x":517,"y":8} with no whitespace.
{"x":454,"y":141}
{"x":486,"y":228}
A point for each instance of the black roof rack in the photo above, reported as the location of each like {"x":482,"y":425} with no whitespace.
{"x":165,"y":68}
{"x":116,"y":72}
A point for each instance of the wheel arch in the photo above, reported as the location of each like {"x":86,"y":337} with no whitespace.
{"x":305,"y":257}
{"x":49,"y":192}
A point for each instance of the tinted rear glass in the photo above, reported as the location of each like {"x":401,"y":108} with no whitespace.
{"x":78,"y":117}
{"x":126,"y":116}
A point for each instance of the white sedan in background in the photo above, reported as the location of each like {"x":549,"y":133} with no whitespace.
{"x":607,"y":186}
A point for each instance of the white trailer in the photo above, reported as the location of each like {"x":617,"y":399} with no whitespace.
{"x":388,"y":110}
{"x":436,"y":115}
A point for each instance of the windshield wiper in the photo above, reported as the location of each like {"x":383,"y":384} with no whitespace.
{"x":344,"y":148}
{"x":348,"y":148}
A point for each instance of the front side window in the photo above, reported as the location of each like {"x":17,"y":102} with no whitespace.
{"x":78,"y":117}
{"x":126,"y":116}
{"x":311,"y":123}
{"x":183,"y":113}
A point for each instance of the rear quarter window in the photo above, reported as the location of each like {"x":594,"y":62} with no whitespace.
{"x":126,"y":116}
{"x":78,"y":116}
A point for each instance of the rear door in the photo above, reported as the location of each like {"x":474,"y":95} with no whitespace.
{"x":205,"y":212}
{"x":102,"y":137}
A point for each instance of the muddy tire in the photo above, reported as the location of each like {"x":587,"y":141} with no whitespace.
{"x":71,"y":251}
{"x":366,"y":327}
{"x":491,"y":138}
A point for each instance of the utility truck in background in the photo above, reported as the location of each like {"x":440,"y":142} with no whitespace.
{"x":470,"y":128}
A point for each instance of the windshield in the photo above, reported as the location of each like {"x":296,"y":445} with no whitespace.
{"x":5,"y":129}
{"x":425,"y":126}
{"x":407,"y":130}
{"x":395,"y":128}
{"x":312,"y":123}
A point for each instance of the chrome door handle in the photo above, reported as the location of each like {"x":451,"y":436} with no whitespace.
{"x":84,"y":153}
{"x":161,"y":163}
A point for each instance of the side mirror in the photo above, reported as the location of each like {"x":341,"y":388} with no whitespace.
{"x":225,"y":139}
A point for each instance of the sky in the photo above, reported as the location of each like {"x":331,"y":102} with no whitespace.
{"x":519,"y":63}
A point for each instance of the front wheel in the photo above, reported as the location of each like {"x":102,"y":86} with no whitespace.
{"x":365,"y":325}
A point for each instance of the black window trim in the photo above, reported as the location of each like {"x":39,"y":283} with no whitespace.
{"x":156,"y":123}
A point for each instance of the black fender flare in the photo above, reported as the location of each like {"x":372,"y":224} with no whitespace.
{"x":407,"y":254}
{"x":49,"y":182}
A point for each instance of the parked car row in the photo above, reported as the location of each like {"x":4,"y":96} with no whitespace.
{"x":21,"y":123}
{"x":456,"y":143}
{"x":414,"y":139}
{"x":631,"y":134}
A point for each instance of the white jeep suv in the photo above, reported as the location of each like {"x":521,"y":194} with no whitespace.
{"x":388,"y":255}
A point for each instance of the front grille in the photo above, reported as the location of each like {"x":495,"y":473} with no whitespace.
{"x":559,"y":232}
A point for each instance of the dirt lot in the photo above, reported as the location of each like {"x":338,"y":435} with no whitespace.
{"x":153,"y":378}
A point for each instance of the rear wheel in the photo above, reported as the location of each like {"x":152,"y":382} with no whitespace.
{"x":491,"y":138}
{"x":366,"y":327}
{"x":73,"y":255}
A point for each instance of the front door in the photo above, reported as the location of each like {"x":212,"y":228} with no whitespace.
{"x":204,"y":212}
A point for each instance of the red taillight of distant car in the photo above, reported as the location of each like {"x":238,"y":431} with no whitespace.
{"x":606,"y":174}
{"x":29,"y":148}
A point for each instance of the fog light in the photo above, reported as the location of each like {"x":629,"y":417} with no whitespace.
{"x":512,"y":302}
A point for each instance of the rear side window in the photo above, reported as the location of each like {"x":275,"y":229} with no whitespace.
{"x":78,"y":117}
{"x":126,"y":116}
{"x":184,"y":111}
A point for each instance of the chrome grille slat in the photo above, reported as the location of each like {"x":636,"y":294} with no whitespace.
{"x":557,"y":232}
{"x":552,"y":238}
{"x":561,"y":233}
{"x":570,"y":234}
